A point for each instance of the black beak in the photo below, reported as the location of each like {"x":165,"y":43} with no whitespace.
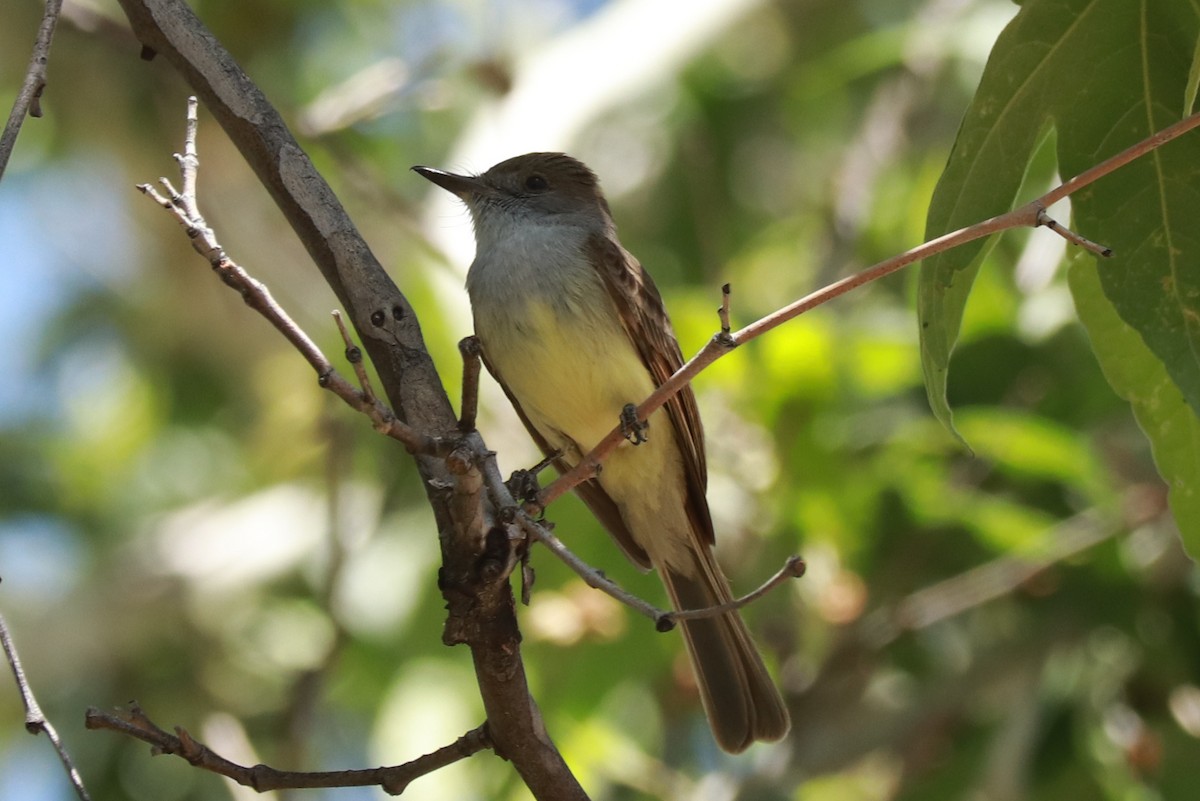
{"x":461,"y":185}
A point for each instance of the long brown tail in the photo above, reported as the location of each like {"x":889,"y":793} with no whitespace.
{"x":741,"y":701}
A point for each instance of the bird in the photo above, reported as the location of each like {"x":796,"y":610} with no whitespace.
{"x":574,"y":330}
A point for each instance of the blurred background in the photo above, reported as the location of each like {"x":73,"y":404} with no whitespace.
{"x":187,"y":520}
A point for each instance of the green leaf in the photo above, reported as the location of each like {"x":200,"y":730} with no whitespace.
{"x":1160,"y":408}
{"x":1189,"y":95}
{"x":1105,"y":74}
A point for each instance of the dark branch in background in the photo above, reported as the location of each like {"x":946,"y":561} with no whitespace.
{"x":28,"y":102}
{"x":305,"y":692}
{"x":36,"y":722}
{"x":1031,"y":215}
{"x":393,"y":779}
{"x":991,"y":580}
{"x":839,"y":694}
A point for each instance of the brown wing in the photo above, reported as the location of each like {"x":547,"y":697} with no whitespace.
{"x":593,"y":496}
{"x":646,"y":321}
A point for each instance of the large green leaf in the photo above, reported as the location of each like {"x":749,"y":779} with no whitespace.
{"x":1104,"y":74}
{"x":1161,"y":410}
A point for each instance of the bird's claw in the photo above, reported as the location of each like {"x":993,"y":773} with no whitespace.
{"x":633,"y":428}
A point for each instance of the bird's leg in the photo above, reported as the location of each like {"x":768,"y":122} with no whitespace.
{"x":523,"y":484}
{"x":633,"y":429}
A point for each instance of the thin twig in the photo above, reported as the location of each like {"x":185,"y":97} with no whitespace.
{"x":591,"y":576}
{"x":723,"y":311}
{"x":184,"y":207}
{"x":354,"y":355}
{"x":794,"y":567}
{"x":393,"y":779}
{"x":1030,"y":215}
{"x":28,"y":102}
{"x":1046,"y":220}
{"x":35,"y":721}
{"x":471,"y":351}
{"x":502,"y":499}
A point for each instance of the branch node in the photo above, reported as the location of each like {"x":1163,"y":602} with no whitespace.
{"x":1075,"y":239}
{"x":471,"y":350}
{"x":723,"y":310}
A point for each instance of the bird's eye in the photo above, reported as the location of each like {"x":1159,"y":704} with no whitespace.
{"x":536,"y":183}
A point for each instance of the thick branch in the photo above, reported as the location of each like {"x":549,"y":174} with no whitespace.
{"x":481,"y":606}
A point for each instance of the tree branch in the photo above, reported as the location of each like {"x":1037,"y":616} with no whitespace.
{"x":1031,"y":215}
{"x":28,"y":102}
{"x":36,"y":722}
{"x":479,"y":600}
{"x":393,"y":779}
{"x":185,"y":208}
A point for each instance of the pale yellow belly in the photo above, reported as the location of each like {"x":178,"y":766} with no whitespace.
{"x":572,"y":376}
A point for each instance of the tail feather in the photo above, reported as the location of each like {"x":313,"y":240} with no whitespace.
{"x":741,"y":701}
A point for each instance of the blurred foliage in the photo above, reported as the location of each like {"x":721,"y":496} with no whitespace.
{"x":187,"y":520}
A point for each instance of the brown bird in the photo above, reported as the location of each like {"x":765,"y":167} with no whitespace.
{"x":573,"y":329}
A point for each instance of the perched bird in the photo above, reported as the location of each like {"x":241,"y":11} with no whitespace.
{"x":573,"y":329}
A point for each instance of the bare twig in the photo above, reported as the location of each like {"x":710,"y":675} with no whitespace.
{"x":470,"y":350}
{"x":1072,"y":237}
{"x":393,"y":779}
{"x":1030,"y":215}
{"x":185,"y":208}
{"x":794,"y":567}
{"x":664,"y":620}
{"x":723,"y":310}
{"x":35,"y":720}
{"x":28,"y":102}
{"x":355,"y":357}
{"x":591,"y":576}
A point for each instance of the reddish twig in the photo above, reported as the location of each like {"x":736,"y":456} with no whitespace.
{"x":1030,"y":215}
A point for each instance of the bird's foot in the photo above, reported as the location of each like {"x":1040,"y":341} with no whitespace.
{"x":523,"y":484}
{"x":633,"y":428}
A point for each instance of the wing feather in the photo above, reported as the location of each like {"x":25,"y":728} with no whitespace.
{"x":645,"y":319}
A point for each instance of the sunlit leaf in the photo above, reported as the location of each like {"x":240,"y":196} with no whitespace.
{"x":1105,"y":74}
